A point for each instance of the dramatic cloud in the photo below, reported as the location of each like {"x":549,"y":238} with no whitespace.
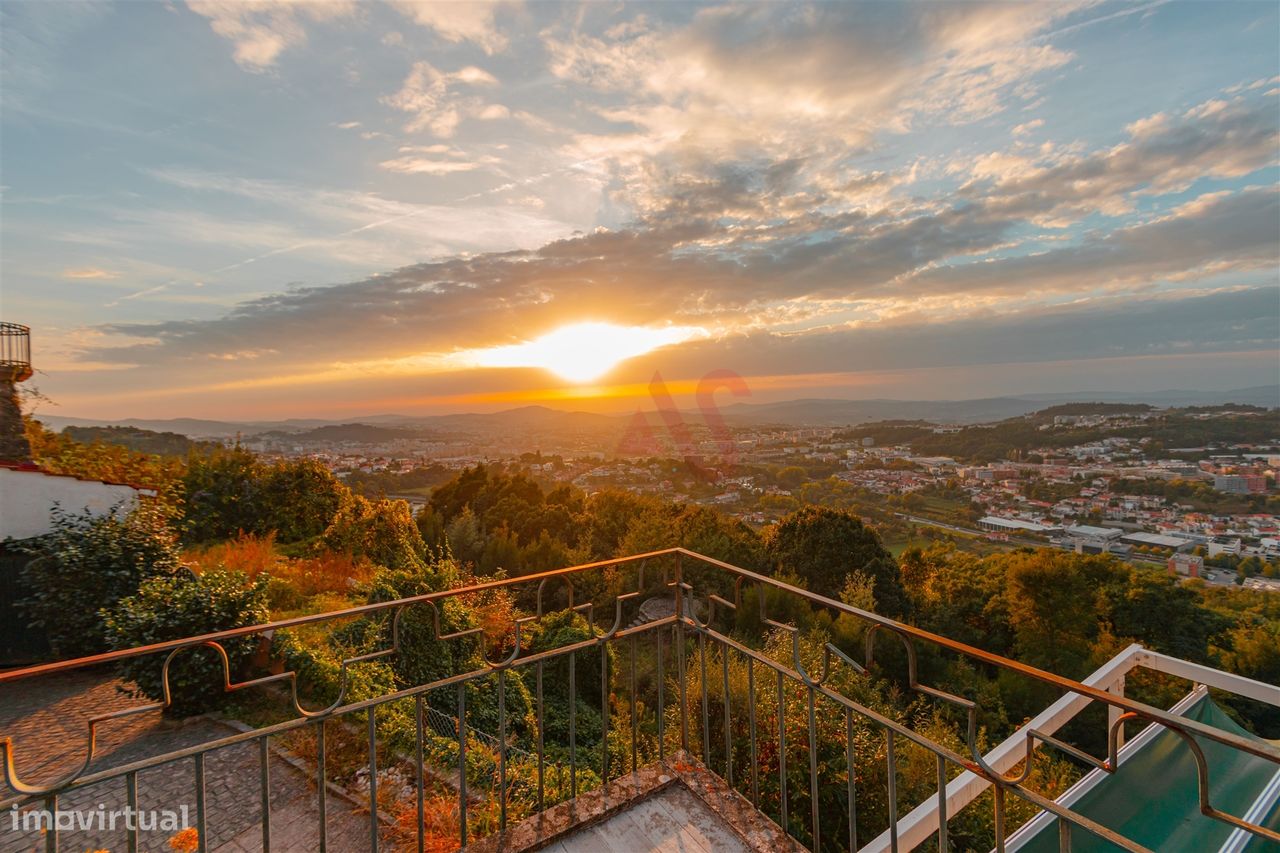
{"x":681,"y":266}
{"x":1211,"y":235}
{"x":818,"y":82}
{"x":821,"y":187}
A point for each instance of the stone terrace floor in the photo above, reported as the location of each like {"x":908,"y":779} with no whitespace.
{"x":671,"y":821}
{"x":48,"y":724}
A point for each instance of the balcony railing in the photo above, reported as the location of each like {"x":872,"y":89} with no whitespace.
{"x":15,"y":352}
{"x":669,"y":699}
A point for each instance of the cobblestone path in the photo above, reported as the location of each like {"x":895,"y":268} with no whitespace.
{"x":49,"y":727}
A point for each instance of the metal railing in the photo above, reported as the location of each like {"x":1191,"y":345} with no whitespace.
{"x":673,"y":714}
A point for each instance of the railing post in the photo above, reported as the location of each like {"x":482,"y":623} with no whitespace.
{"x":542,"y":757}
{"x":51,"y":834}
{"x":662,"y":697}
{"x":706,"y":720}
{"x":634,"y":753}
{"x":202,"y":832}
{"x":680,"y":661}
{"x":373,"y":779}
{"x":751,"y":730}
{"x":419,"y":774}
{"x":264,"y":781}
{"x":462,"y":764}
{"x":321,"y":790}
{"x":1113,"y":713}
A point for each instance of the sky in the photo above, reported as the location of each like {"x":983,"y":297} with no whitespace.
{"x":268,"y":209}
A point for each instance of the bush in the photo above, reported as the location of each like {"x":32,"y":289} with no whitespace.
{"x":89,"y":563}
{"x":177,"y":606}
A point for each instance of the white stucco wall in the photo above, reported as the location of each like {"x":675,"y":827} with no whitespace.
{"x":27,"y":499}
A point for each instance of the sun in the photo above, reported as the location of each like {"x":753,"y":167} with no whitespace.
{"x":583,"y":351}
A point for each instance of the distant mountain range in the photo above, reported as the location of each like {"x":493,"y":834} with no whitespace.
{"x":805,"y":412}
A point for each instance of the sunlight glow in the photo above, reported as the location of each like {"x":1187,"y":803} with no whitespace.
{"x":583,"y":351}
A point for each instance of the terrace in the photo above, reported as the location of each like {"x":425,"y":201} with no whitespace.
{"x":699,"y":737}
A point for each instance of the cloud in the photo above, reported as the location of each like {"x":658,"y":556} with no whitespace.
{"x":861,"y":269}
{"x":1026,"y":127}
{"x":1221,"y":232}
{"x":428,"y":95}
{"x":746,"y":243}
{"x":820,"y":82}
{"x":263,"y":29}
{"x":89,"y":273}
{"x":1229,"y":320}
{"x":473,"y":21}
{"x":425,"y":166}
{"x":1163,"y":154}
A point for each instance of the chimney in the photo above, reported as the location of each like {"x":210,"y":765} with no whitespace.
{"x":15,"y":367}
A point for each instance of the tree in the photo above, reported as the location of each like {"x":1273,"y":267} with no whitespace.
{"x":1165,"y":615}
{"x":500,"y":552}
{"x":823,"y":546}
{"x":382,"y":531}
{"x":792,"y":476}
{"x":1249,"y":567}
{"x":959,"y":596}
{"x":1052,"y":609}
{"x":231,"y":491}
{"x":220,"y":487}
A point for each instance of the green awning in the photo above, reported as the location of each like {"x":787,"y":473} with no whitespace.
{"x":1153,"y":798}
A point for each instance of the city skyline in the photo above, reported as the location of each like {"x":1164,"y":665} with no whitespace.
{"x":269,"y":210}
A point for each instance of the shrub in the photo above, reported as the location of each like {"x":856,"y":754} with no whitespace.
{"x":89,"y":563}
{"x":246,"y":553}
{"x":326,"y":572}
{"x":295,"y":581}
{"x":177,"y":606}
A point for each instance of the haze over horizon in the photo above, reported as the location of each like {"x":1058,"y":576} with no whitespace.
{"x":332,"y":209}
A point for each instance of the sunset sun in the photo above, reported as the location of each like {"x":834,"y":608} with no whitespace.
{"x":584,"y":351}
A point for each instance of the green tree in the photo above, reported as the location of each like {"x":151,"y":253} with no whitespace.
{"x":1053,"y":610}
{"x":231,"y":491}
{"x":221,"y":488}
{"x":1165,"y":615}
{"x":960,"y":596}
{"x":823,"y":546}
{"x":382,"y":531}
{"x":502,"y":551}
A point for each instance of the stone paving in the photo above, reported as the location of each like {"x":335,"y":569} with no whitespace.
{"x":49,"y":728}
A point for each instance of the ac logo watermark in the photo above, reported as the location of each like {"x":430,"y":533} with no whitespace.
{"x":129,"y":818}
{"x":640,"y":437}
